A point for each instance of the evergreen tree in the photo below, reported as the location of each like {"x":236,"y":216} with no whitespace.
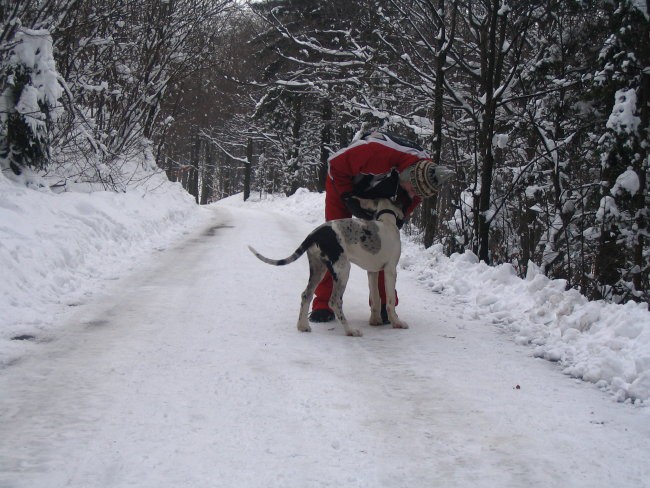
{"x":623,"y":80}
{"x":29,"y":104}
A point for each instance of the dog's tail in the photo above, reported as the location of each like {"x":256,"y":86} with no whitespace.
{"x":281,"y":262}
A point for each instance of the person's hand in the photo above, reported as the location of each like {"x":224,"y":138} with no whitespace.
{"x":442,"y":174}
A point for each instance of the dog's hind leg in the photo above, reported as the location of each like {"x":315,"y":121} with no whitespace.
{"x":390,"y":277}
{"x":375,"y":300}
{"x":342,"y":273}
{"x":316,"y":272}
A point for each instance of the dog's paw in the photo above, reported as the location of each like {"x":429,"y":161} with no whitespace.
{"x":400,"y":325}
{"x":304,"y":328}
{"x":376,"y":320}
{"x":354,"y":333}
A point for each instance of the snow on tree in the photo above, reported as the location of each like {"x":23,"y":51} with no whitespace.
{"x":29,"y":104}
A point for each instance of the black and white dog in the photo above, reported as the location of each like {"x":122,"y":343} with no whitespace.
{"x":374,"y":245}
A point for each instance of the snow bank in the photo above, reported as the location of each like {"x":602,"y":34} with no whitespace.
{"x":599,"y":342}
{"x":57,"y":249}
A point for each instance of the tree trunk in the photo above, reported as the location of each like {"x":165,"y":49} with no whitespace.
{"x":484,"y":207}
{"x":193,"y":177}
{"x":325,"y":141}
{"x":247,"y":169}
{"x":429,"y":213}
{"x":640,"y":200}
{"x":208,"y":176}
{"x":170,"y":170}
{"x":295,"y":150}
{"x":491,"y":79}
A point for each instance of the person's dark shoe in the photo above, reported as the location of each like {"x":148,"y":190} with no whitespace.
{"x":384,"y":315}
{"x":321,"y":315}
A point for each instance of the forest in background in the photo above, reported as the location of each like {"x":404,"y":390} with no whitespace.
{"x":542,"y":108}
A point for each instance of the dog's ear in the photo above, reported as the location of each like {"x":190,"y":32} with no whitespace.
{"x":368,"y":204}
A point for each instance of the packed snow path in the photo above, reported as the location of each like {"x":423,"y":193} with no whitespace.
{"x":191,"y":373}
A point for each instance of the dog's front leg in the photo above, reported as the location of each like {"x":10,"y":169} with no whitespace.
{"x":390,"y":278}
{"x":375,"y":300}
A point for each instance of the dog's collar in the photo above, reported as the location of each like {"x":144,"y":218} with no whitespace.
{"x":386,"y":210}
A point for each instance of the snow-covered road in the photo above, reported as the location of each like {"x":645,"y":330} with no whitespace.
{"x":191,"y":373}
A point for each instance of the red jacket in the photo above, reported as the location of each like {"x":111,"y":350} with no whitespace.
{"x":375,"y":154}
